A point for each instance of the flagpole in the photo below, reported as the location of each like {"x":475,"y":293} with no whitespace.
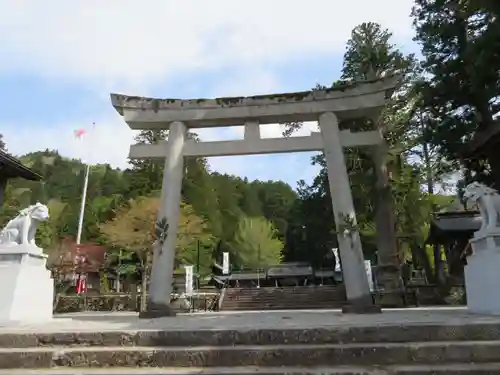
{"x":84,"y":194}
{"x":82,"y":204}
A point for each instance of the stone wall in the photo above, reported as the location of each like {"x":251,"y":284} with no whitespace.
{"x":121,"y":302}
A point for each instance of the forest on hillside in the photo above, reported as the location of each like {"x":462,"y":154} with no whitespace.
{"x":441,"y":102}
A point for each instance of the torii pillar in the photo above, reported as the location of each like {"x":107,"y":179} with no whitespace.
{"x":170,"y":205}
{"x":351,"y":251}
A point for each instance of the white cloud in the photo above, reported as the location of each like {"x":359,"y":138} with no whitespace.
{"x":130,"y":43}
{"x":130,"y":46}
{"x":107,"y":142}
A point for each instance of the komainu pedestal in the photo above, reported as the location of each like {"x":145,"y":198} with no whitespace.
{"x":26,"y":286}
{"x":482,"y":272}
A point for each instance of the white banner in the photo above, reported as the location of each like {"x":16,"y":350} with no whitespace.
{"x":189,"y":280}
{"x":337,"y":259}
{"x":368,"y":268}
{"x":225,"y":263}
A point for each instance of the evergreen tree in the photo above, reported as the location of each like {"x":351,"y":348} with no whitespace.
{"x":3,"y":146}
{"x":146,"y":176}
{"x":251,"y":204}
{"x":199,"y":191}
{"x":461,"y":47}
{"x":370,"y":55}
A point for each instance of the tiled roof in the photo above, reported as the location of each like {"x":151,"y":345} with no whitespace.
{"x":454,"y":224}
{"x":12,"y":168}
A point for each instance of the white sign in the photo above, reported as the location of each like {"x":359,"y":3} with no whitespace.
{"x":189,"y":280}
{"x":225,"y":263}
{"x":337,"y":259}
{"x":368,"y":268}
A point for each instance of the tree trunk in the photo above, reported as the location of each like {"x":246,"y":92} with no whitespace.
{"x":3,"y":186}
{"x":494,"y":161}
{"x":415,"y":256}
{"x":429,"y":175}
{"x":426,"y":264}
{"x":438,"y":265}
{"x":144,"y":294}
{"x":133,"y":293}
{"x":388,"y":270}
{"x":428,"y":169}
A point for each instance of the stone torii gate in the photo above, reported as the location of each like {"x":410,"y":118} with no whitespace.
{"x":328,"y":107}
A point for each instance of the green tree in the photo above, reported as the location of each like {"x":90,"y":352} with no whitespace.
{"x":228,"y":197}
{"x":255,"y":243}
{"x":98,"y":210}
{"x":309,"y":235}
{"x":251,"y":204}
{"x":277,"y":201}
{"x":370,"y":55}
{"x":199,"y":191}
{"x":49,"y":232}
{"x":215,"y":201}
{"x":146,"y":176}
{"x":133,"y":230}
{"x":461,"y":47}
{"x":434,"y":168}
{"x":195,"y":242}
{"x":3,"y":146}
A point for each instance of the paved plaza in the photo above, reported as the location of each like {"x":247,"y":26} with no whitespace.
{"x":253,"y":320}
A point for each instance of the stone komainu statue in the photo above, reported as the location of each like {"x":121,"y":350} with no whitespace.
{"x":488,"y":201}
{"x":21,"y":230}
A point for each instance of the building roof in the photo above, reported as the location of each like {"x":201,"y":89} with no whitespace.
{"x":88,"y":256}
{"x":482,"y":140}
{"x":11,"y":167}
{"x":452,"y":225}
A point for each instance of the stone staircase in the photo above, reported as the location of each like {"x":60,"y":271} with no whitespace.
{"x":418,"y":349}
{"x":285,"y":298}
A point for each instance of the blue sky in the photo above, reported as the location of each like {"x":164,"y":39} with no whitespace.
{"x":60,"y":60}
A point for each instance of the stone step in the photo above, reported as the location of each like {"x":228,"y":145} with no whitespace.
{"x":277,"y":305}
{"x":286,"y":294}
{"x":283,"y":300}
{"x":283,"y":297}
{"x":290,"y":291}
{"x":280,"y":298}
{"x":380,"y":333}
{"x":448,"y":369}
{"x":275,"y":298}
{"x":296,"y":289}
{"x":272,"y":306}
{"x":359,"y":354}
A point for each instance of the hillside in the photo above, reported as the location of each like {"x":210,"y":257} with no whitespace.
{"x":219,"y":199}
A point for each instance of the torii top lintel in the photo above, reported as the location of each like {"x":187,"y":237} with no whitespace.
{"x":352,"y":100}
